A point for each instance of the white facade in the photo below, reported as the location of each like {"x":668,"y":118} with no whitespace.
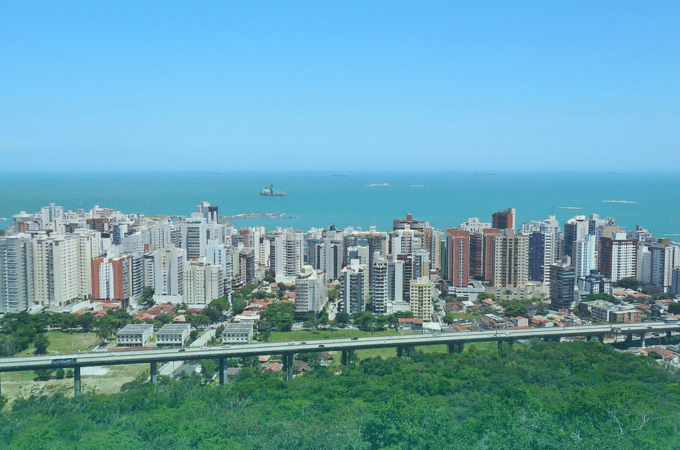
{"x":353,"y":288}
{"x":173,"y":334}
{"x":473,"y":225}
{"x":237,"y":333}
{"x":294,"y":255}
{"x":194,"y":238}
{"x":56,"y":272}
{"x":585,"y":255}
{"x":203,"y":283}
{"x":380,"y":286}
{"x":310,"y":291}
{"x":168,"y":271}
{"x":135,"y":335}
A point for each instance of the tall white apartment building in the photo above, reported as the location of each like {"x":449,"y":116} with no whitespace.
{"x":644,"y":264}
{"x":207,"y":211}
{"x":310,"y":291}
{"x":585,"y":255}
{"x":277,"y":254}
{"x":473,"y":225}
{"x":422,"y":290}
{"x":575,"y":229}
{"x":402,"y":241}
{"x":663,"y":259}
{"x":618,"y":257}
{"x":160,"y":235}
{"x":380,"y":286}
{"x":294,"y":255}
{"x":194,"y":238}
{"x":221,"y":255}
{"x":435,"y":246}
{"x":50,"y":216}
{"x":168,"y":271}
{"x":203,"y":283}
{"x":16,"y":273}
{"x":353,"y":288}
{"x":328,"y":255}
{"x":133,"y":243}
{"x":549,"y":225}
{"x":56,"y":274}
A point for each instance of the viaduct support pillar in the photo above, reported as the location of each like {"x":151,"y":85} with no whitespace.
{"x":461,"y":346}
{"x":408,"y":351}
{"x":343,"y":358}
{"x":642,"y":340}
{"x":222,"y":370}
{"x":154,"y":372}
{"x":77,"y":388}
{"x":288,"y":365}
{"x":452,"y":347}
{"x":601,"y":338}
{"x":350,"y":356}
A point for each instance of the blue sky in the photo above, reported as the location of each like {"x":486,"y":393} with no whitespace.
{"x":348,"y":84}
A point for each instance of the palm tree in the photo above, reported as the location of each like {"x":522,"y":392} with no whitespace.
{"x":507,"y":294}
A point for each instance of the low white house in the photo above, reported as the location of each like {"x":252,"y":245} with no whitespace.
{"x":134,"y":335}
{"x":173,"y":334}
{"x":237,"y":333}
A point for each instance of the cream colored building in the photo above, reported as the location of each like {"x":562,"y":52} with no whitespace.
{"x":422,"y":292}
{"x":56,"y":272}
{"x":202,"y":283}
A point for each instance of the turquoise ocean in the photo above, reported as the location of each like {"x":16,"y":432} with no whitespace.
{"x":360,"y":199}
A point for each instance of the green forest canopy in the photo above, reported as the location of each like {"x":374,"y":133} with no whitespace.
{"x":578,"y":395}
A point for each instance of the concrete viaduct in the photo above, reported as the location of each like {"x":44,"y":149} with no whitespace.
{"x":454,"y":341}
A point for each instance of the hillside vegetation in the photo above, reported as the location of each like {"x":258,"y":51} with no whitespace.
{"x":580,"y":395}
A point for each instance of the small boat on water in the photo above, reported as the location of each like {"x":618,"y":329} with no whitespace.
{"x":271,"y":192}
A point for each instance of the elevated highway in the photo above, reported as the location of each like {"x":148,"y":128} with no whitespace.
{"x":347,"y":346}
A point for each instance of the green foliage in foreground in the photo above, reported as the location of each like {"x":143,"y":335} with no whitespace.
{"x":544,"y":396}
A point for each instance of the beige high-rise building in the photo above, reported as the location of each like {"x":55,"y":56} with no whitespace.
{"x":88,"y":248}
{"x":422,"y":290}
{"x":510,"y":260}
{"x":203,"y":283}
{"x":55,"y":270}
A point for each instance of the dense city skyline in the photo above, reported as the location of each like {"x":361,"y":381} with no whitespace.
{"x":522,"y":86}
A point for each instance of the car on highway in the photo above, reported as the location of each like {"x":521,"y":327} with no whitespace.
{"x":355,"y":338}
{"x":321,"y":345}
{"x":182,"y":350}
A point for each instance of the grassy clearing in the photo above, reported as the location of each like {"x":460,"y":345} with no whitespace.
{"x":66,"y":342}
{"x":115,"y":378}
{"x":302,"y":335}
{"x":24,"y":384}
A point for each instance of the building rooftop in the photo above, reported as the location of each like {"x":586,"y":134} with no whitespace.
{"x":238,"y":327}
{"x":135,"y":328}
{"x":174,"y":328}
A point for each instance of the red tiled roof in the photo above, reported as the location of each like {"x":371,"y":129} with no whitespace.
{"x":273,"y":367}
{"x":661,"y":351}
{"x":409,"y":320}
